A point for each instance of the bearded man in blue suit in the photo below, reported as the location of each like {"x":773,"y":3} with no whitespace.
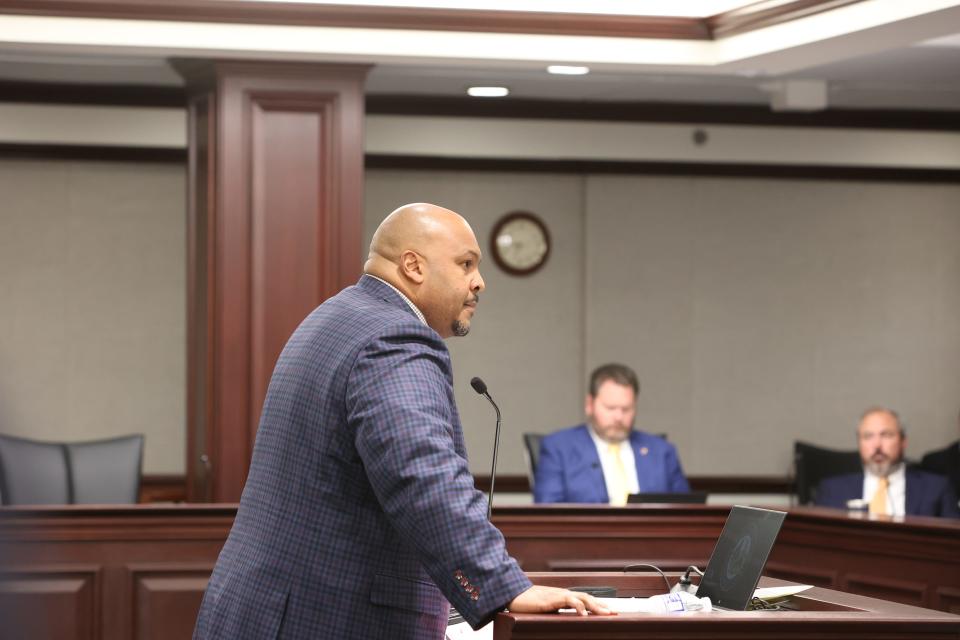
{"x":359,"y":517}
{"x":886,"y":485}
{"x":605,"y":459}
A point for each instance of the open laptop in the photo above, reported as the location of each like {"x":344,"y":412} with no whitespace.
{"x":690,"y":497}
{"x":739,"y":557}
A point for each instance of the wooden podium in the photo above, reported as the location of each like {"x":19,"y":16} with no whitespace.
{"x":815,"y":614}
{"x":120,"y":572}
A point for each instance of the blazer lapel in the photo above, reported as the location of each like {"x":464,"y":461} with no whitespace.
{"x":587,"y":465}
{"x":646,"y":474}
{"x":914,"y":494}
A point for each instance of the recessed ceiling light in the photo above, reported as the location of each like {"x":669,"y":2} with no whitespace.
{"x":488,"y":92}
{"x":567,"y":70}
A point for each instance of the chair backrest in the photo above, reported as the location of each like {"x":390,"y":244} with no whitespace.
{"x":531,"y":453}
{"x":812,"y":464}
{"x":106,"y":471}
{"x":33,"y":472}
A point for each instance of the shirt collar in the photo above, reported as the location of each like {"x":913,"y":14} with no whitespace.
{"x":602,"y":444}
{"x":412,"y":306}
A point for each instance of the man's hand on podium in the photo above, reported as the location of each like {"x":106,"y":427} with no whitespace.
{"x":539,"y":599}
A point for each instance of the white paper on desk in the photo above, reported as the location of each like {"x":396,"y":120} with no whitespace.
{"x":625,"y":605}
{"x":772,"y":593}
{"x":666,"y":603}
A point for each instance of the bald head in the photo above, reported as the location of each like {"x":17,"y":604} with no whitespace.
{"x":431,"y":255}
{"x":415,"y":227}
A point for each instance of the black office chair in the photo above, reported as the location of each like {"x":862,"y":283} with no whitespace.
{"x":812,"y":464}
{"x":33,"y":472}
{"x":531,"y":453}
{"x":95,"y":472}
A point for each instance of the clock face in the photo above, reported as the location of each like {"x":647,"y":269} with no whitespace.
{"x":520,"y":243}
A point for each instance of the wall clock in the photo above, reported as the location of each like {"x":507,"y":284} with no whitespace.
{"x":520,"y":243}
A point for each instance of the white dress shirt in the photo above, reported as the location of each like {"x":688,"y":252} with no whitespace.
{"x":896,"y":490}
{"x":412,"y":306}
{"x":607,"y":461}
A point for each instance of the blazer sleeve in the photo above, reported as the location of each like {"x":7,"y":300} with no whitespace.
{"x":548,"y":481}
{"x":399,"y":405}
{"x":676,"y":481}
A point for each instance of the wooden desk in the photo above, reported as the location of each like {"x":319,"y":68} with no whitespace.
{"x":111,"y":573}
{"x":915,"y":561}
{"x":139,"y":571}
{"x":819,"y":613}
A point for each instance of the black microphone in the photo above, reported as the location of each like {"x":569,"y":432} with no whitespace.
{"x":481,"y":387}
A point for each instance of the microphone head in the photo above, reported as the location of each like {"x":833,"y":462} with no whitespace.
{"x":478,"y":385}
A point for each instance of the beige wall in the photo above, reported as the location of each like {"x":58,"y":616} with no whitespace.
{"x":92,"y":291}
{"x":755,"y":311}
{"x":526,"y":338}
{"x":760,"y":311}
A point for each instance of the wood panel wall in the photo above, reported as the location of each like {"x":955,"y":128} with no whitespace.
{"x":274,"y":228}
{"x":140,"y":571}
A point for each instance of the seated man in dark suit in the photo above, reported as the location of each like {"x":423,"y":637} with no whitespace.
{"x":886,"y":484}
{"x":945,"y":462}
{"x":606,"y":459}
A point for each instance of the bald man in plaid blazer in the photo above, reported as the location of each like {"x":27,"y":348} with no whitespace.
{"x":359,"y":518}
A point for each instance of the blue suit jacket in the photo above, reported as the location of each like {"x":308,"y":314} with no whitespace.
{"x":359,"y":518}
{"x":927,"y":494}
{"x":569,"y":467}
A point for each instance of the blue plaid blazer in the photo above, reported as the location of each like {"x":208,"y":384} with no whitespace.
{"x":359,"y":518}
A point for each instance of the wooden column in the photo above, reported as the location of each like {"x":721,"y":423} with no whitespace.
{"x":275,"y":227}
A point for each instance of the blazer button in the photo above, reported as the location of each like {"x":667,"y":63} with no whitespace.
{"x":457,"y":575}
{"x":475,"y":596}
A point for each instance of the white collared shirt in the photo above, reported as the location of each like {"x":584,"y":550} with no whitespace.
{"x":896,"y":489}
{"x":607,"y":461}
{"x":405,"y":298}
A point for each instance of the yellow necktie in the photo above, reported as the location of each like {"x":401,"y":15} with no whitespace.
{"x":878,"y":504}
{"x":617,"y":482}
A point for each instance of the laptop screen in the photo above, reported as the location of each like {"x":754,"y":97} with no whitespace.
{"x":739,"y":557}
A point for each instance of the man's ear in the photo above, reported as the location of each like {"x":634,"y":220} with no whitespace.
{"x":412,"y":266}
{"x":588,"y":405}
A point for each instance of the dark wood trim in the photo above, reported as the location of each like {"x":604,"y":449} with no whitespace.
{"x":163,"y":488}
{"x":505,"y":484}
{"x":384,"y":104}
{"x":710,"y":484}
{"x":141,"y":569}
{"x":766,"y":14}
{"x":114,"y":95}
{"x":719,"y":170}
{"x":664,"y":112}
{"x":741,"y":484}
{"x":274,"y":202}
{"x":366,"y":17}
{"x":103,"y":153}
{"x":172,"y":488}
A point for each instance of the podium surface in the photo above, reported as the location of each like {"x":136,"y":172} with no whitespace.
{"x":817,"y":613}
